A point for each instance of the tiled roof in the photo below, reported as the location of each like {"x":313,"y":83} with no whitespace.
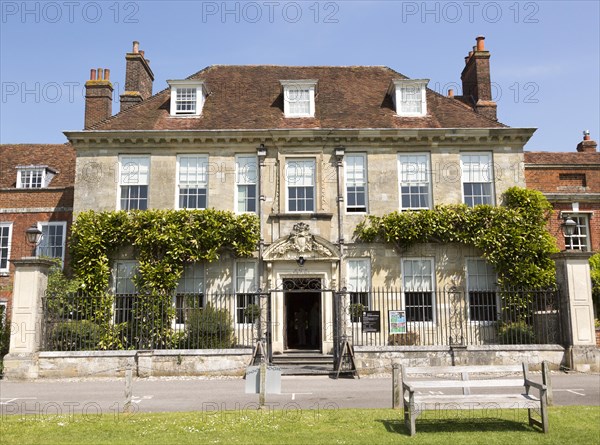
{"x":550,"y":158}
{"x":58,"y":157}
{"x":250,"y":97}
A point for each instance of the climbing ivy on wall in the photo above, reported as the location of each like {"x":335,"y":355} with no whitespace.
{"x":512,"y":237}
{"x":163,"y":240}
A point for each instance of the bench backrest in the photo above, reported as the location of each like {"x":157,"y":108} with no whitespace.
{"x":464,"y":377}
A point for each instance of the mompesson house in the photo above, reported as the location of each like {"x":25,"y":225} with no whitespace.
{"x":311,"y":151}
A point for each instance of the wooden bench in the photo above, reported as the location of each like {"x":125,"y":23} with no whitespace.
{"x":422,"y":391}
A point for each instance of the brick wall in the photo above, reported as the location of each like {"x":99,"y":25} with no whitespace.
{"x":17,"y":205}
{"x":563,"y":180}
{"x":567,"y":177}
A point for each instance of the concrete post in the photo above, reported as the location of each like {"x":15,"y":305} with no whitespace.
{"x":573,"y":277}
{"x":396,"y":387}
{"x":30,"y":282}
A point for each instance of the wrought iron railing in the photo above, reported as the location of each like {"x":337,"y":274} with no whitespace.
{"x":452,"y":316}
{"x":77,"y":322}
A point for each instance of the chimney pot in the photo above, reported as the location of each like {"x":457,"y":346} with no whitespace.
{"x":586,"y":135}
{"x":136,"y":46}
{"x":450,"y":92}
{"x":470,"y":53}
{"x":92,"y":74}
{"x":480,"y":43}
{"x":142,"y":53}
{"x":99,"y":73}
{"x":106,"y":74}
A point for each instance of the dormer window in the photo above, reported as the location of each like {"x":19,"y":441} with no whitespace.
{"x":187,"y":97}
{"x":409,"y":96}
{"x":34,"y":176}
{"x":299,"y":98}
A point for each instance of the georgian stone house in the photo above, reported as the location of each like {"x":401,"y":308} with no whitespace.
{"x":311,"y":150}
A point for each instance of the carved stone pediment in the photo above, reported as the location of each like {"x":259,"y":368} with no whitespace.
{"x":301,"y":243}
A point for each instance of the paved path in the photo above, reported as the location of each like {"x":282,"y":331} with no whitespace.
{"x":51,"y":397}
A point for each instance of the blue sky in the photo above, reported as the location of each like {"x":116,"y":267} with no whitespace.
{"x":545,"y":54}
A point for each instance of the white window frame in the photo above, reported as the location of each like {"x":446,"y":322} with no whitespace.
{"x":245,"y":287}
{"x":432,"y":290}
{"x":289,"y":92}
{"x":5,"y":270}
{"x":356,"y":183}
{"x":127,"y":160}
{"x":583,"y":222}
{"x":288,"y":183}
{"x":489,"y":171}
{"x":39,"y":247}
{"x":198,"y":278}
{"x":46,"y":176}
{"x":489,"y":287}
{"x":398,"y":89}
{"x":418,"y":171}
{"x":244,"y":178}
{"x":193,"y":84}
{"x":203,"y":158}
{"x":133,"y":266}
{"x":352,"y":282}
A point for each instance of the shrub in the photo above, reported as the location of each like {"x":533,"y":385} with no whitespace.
{"x":252,"y":313}
{"x":4,"y":336}
{"x":356,"y":312}
{"x":515,"y":333}
{"x":81,"y":335}
{"x":209,"y":328}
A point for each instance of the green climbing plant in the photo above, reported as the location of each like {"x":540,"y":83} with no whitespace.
{"x":164,"y":241}
{"x":513,"y":237}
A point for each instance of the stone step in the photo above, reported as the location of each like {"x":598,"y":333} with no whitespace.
{"x":304,"y":363}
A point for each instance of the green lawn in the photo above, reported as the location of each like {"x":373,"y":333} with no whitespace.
{"x":568,"y":425}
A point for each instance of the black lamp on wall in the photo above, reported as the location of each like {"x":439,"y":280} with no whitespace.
{"x":33,"y":236}
{"x":568,"y":229}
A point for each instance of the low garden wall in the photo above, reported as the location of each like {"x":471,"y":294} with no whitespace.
{"x":54,"y":364}
{"x":377,"y":359}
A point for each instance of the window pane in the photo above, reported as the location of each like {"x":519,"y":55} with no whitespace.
{"x":300,"y":176}
{"x":52,"y":242}
{"x":356,"y":190}
{"x":477,"y":177}
{"x":418,"y":289}
{"x":134,"y":197}
{"x":414,"y":176}
{"x":4,"y":246}
{"x":411,"y":100}
{"x":186,"y":100}
{"x":134,"y":170}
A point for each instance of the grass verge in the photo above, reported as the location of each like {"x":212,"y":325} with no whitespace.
{"x":568,"y":425}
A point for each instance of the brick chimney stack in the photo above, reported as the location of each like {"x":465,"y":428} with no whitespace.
{"x":476,"y":81}
{"x":587,"y":145}
{"x":138,"y":78}
{"x":98,"y":97}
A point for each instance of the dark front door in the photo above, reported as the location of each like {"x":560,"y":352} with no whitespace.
{"x":302,"y":317}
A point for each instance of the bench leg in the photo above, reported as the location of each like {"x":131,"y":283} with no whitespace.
{"x":544,"y":409}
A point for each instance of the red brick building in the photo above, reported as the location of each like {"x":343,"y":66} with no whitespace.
{"x":36,"y":188}
{"x":571,"y":182}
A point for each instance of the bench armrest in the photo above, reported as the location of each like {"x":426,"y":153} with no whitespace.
{"x":535,"y":385}
{"x":406,"y":386}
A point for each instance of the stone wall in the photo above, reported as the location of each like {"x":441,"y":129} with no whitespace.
{"x":143,"y":363}
{"x":373,"y":360}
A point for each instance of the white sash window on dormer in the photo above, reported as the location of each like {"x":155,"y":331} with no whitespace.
{"x":409,"y":96}
{"x":299,"y":98}
{"x":187,"y":97}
